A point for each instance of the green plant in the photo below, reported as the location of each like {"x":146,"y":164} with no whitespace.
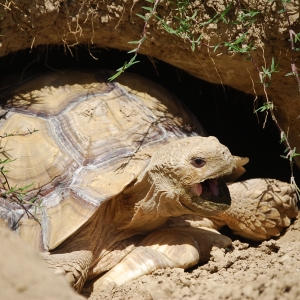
{"x":266,"y":73}
{"x":14,"y":194}
{"x":139,"y":43}
{"x":183,"y":29}
{"x":219,"y":16}
{"x":239,"y":45}
{"x":246,"y":17}
{"x":265,"y":107}
{"x":294,"y":38}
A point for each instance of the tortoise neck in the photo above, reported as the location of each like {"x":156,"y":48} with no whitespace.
{"x":138,"y":207}
{"x":146,"y":205}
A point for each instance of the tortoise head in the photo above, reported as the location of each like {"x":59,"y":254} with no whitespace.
{"x":186,"y":177}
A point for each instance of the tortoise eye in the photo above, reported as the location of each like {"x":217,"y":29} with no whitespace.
{"x":198,"y":162}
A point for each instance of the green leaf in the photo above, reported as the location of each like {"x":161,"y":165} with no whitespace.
{"x":143,"y":39}
{"x":216,"y":47}
{"x":115,"y":76}
{"x":272,"y":64}
{"x":264,"y":107}
{"x":132,"y":60}
{"x":289,"y":74}
{"x":254,"y":13}
{"x":147,"y":8}
{"x":240,"y":39}
{"x":193,"y":46}
{"x":194,"y":14}
{"x":199,"y":38}
{"x":6,"y":161}
{"x":281,"y":11}
{"x":25,"y":187}
{"x":134,"y":50}
{"x":133,"y":63}
{"x":209,"y":21}
{"x":33,"y":200}
{"x":143,"y":17}
{"x":283,"y":138}
{"x":222,"y":16}
{"x":133,"y":42}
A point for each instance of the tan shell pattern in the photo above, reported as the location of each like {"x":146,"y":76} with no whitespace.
{"x":93,"y":138}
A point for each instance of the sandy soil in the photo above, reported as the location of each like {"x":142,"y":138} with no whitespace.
{"x":24,"y":274}
{"x":269,"y":270}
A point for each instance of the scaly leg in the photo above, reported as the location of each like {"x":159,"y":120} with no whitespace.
{"x":74,"y":266}
{"x":260,"y":208}
{"x":168,"y":247}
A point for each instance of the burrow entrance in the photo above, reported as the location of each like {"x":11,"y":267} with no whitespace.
{"x":226,"y":113}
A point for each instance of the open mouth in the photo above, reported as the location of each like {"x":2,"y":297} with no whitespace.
{"x":209,"y":187}
{"x":214,"y":190}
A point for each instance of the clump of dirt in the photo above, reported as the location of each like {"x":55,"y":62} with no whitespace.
{"x":24,"y":274}
{"x":269,"y":270}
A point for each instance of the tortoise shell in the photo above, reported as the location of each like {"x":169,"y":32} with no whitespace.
{"x":92,"y":139}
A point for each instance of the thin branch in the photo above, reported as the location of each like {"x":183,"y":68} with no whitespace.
{"x":292,"y":34}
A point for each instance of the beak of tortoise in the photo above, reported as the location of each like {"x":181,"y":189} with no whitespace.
{"x":214,"y":190}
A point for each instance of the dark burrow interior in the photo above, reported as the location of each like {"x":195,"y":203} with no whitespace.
{"x":224,"y":112}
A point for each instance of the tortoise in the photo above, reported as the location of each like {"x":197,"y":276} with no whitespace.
{"x":124,"y":178}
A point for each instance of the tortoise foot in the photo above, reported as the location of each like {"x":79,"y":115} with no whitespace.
{"x":261,"y":208}
{"x":74,"y":266}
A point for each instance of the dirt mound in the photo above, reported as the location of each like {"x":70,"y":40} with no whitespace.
{"x":269,"y":270}
{"x":24,"y":274}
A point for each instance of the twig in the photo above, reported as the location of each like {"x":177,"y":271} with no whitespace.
{"x":292,"y":34}
{"x":18,"y":134}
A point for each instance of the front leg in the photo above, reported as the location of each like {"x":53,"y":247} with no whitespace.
{"x":168,"y":247}
{"x":260,"y":208}
{"x":74,"y":265}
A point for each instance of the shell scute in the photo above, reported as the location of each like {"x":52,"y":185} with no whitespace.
{"x":38,"y":157}
{"x":51,"y":93}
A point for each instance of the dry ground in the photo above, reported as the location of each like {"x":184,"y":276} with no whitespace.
{"x":267,"y":271}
